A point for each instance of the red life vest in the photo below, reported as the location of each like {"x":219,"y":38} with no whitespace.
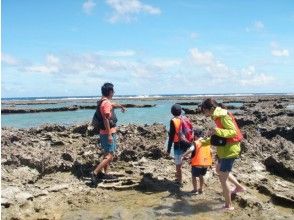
{"x":239,"y":135}
{"x":177,"y":124}
{"x":202,"y":155}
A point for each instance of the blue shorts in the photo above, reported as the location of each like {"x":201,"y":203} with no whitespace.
{"x":198,"y":171}
{"x":108,"y":147}
{"x":226,"y":165}
{"x":178,"y":153}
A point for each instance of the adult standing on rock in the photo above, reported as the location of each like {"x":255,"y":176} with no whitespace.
{"x":226,"y":136}
{"x":107,"y":124}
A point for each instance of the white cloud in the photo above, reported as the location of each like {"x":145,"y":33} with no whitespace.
{"x":202,"y":58}
{"x":256,"y":26}
{"x":126,"y":10}
{"x":8,"y":59}
{"x":98,"y":63}
{"x":257,"y":80}
{"x":146,"y":73}
{"x":218,"y":72}
{"x":164,"y":63}
{"x":88,"y":6}
{"x":51,"y":66}
{"x":277,"y":51}
{"x":280,"y":53}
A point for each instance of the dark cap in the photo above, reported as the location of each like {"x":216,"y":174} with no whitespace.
{"x":176,"y":110}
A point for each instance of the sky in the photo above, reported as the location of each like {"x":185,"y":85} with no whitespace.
{"x":72,"y":47}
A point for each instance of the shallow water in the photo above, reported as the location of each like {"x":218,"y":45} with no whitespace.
{"x":138,"y":205}
{"x":158,"y":114}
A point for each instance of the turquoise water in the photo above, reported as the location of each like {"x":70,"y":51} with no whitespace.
{"x":140,"y":116}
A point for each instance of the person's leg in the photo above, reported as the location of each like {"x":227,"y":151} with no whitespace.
{"x":177,"y":155}
{"x":179,"y":173}
{"x":239,"y":187}
{"x":217,"y":167}
{"x":111,"y":149}
{"x":106,"y":160}
{"x":223,"y":177}
{"x":194,"y":183}
{"x":228,"y":167}
{"x":201,"y":179}
{"x":106,"y":168}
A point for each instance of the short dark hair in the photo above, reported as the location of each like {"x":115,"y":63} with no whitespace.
{"x":176,"y":110}
{"x":106,"y":89}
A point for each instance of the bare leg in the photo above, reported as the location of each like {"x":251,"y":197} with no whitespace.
{"x":106,"y":160}
{"x":201,"y":184}
{"x":106,"y":168}
{"x":239,"y":187}
{"x":179,"y":173}
{"x":223,"y":177}
{"x":194,"y":182}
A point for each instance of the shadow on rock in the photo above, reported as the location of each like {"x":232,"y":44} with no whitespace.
{"x":151,"y":184}
{"x":185,"y":207}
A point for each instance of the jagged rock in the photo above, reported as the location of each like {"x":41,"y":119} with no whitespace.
{"x":278,"y":168}
{"x":22,"y":197}
{"x":81,"y":129}
{"x":67,"y":157}
{"x":9,"y":193}
{"x":128,"y":155}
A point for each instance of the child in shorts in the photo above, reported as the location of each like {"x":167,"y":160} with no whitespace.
{"x":201,"y":159}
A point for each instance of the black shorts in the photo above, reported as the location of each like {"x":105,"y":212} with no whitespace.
{"x":198,"y":171}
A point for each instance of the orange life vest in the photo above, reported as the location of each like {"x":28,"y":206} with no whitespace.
{"x":202,"y":155}
{"x":177,"y":124}
{"x":239,"y":135}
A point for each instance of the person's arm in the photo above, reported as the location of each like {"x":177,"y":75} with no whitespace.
{"x":205,"y":141}
{"x":107,"y":126}
{"x":116,"y":105}
{"x":229,"y":129}
{"x":106,"y":109}
{"x":189,"y":151}
{"x":171,"y":134}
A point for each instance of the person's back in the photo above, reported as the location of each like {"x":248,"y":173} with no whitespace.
{"x":201,"y":156}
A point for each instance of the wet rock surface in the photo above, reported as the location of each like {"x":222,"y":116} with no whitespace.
{"x":46,"y":171}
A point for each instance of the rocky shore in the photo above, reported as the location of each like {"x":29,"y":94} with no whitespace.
{"x":46,"y":171}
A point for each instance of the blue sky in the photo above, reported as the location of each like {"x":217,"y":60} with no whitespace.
{"x":68,"y":48}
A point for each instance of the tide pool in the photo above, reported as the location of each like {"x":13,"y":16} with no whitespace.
{"x":140,"y":116}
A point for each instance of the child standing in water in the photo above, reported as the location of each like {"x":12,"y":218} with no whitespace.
{"x":201,"y":159}
{"x":226,"y":127}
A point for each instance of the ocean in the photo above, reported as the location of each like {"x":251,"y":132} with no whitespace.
{"x":140,"y":116}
